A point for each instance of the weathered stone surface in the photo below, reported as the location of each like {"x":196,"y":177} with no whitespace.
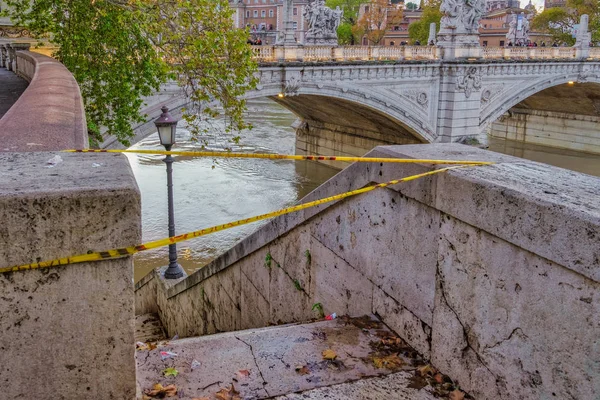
{"x":393,"y":386}
{"x":71,"y":325}
{"x":261,"y":363}
{"x":507,"y":320}
{"x":479,"y":262}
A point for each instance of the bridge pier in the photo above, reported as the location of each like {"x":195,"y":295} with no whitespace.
{"x":459,"y":107}
{"x":319,"y":138}
{"x":563,"y":130}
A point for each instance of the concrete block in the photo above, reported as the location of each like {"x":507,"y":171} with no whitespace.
{"x":390,"y":240}
{"x":339,"y":286}
{"x":73,"y":325}
{"x":254,"y":305}
{"x":506,"y":317}
{"x":524,"y":202}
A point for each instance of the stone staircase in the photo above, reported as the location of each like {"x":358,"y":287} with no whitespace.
{"x":148,"y":328}
{"x":344,"y":358}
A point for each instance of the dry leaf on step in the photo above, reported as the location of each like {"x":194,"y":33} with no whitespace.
{"x":243,"y":373}
{"x":302,"y":370}
{"x":456,"y":395}
{"x":228,"y":394}
{"x":390,"y":362}
{"x":160,"y":392}
{"x":329,"y":354}
{"x":426,"y":370}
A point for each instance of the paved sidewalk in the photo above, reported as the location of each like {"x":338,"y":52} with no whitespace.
{"x":11,"y":87}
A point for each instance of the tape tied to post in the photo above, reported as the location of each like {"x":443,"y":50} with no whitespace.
{"x":128,"y":251}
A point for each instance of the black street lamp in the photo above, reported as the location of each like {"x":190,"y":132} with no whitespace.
{"x":167,"y":126}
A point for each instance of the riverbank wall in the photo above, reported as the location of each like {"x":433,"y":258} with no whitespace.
{"x":489,"y":272}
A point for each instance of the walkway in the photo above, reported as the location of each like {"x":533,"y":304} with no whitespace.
{"x":12,"y":87}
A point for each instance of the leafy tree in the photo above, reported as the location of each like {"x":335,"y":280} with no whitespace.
{"x":349,"y":19}
{"x":122,"y":50}
{"x":377,"y":17}
{"x":419,"y":30}
{"x":559,"y":22}
{"x":411,"y":6}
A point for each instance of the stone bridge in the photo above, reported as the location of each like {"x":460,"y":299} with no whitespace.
{"x":351,"y":99}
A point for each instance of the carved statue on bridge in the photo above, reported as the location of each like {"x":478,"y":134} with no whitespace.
{"x":462,"y":15}
{"x":459,"y":28}
{"x":322,"y":23}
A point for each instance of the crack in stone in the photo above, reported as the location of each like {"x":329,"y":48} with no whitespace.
{"x":464,"y":328}
{"x":507,"y":339}
{"x":264,"y":383}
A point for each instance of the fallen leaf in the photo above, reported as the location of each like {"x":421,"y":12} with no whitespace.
{"x":158,"y":391}
{"x":302,"y":370}
{"x":392,"y":341}
{"x":438,"y":378}
{"x":329,"y":354}
{"x":416,"y":382}
{"x":426,"y":370}
{"x":244,"y":373}
{"x":228,"y":394}
{"x":170,"y":372}
{"x":390,"y":362}
{"x":456,"y":395}
{"x":201,"y":398}
{"x":145,"y":346}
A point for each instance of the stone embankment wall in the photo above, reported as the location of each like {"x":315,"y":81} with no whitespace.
{"x":49,"y":115}
{"x":67,"y":332}
{"x":492,"y":273}
{"x":562,"y":130}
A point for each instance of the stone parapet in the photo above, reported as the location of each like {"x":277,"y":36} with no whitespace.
{"x":67,"y":332}
{"x":489,"y":272}
{"x":49,"y":115}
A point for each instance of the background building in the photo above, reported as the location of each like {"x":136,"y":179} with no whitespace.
{"x":264,"y":18}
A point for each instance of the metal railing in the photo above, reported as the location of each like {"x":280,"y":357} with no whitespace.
{"x":399,"y":53}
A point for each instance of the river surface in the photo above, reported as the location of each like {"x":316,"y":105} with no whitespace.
{"x":209,"y":192}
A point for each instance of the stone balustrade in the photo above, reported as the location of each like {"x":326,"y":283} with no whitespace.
{"x":398,"y":53}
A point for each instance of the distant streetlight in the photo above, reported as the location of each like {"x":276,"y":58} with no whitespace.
{"x":167,"y":127}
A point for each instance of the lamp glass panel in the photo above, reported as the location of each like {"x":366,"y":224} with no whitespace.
{"x":165,"y":134}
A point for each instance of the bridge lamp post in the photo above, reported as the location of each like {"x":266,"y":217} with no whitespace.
{"x":167,"y":127}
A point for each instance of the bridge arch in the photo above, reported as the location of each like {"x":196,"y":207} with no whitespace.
{"x":353,"y":109}
{"x":506,"y":100}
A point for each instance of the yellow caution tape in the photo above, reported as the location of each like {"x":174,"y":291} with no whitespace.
{"x":284,"y":156}
{"x":126,"y":251}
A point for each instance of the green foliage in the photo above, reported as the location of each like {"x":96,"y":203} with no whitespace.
{"x":411,"y":6}
{"x":120,"y":51}
{"x":559,"y":22}
{"x":345,"y":36}
{"x":350,"y":8}
{"x":308,"y":257}
{"x":268,"y":259}
{"x":319,"y":308}
{"x":349,"y":19}
{"x":297,"y":285}
{"x":170,"y":372}
{"x":419,"y":30}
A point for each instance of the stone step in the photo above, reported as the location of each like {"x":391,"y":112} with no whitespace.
{"x":283,"y":360}
{"x":148,"y":328}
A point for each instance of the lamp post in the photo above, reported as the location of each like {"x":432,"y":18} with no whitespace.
{"x":167,"y":127}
